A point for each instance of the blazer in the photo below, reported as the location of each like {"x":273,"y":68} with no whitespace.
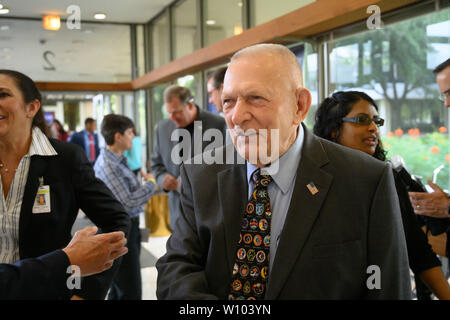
{"x":44,"y":277}
{"x":73,"y":186}
{"x":329,"y":241}
{"x":79,"y":139}
{"x":161,"y":162}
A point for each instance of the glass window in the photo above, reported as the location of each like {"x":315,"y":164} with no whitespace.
{"x":394,"y":66}
{"x":140,"y":50}
{"x":223,"y":19}
{"x":158,"y":110}
{"x":160,"y":41}
{"x":141,"y":114}
{"x":262,"y":11}
{"x":186,"y":35}
{"x":308,"y":60}
{"x":193,"y":82}
{"x":95,"y":53}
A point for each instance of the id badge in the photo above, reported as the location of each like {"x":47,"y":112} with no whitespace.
{"x":42,"y":201}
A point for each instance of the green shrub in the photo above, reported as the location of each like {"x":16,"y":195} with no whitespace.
{"x":417,"y":152}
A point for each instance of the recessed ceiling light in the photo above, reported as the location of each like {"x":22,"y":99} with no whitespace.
{"x":210,"y":22}
{"x":99,"y":16}
{"x":4,"y":10}
{"x":1,"y":6}
{"x":51,"y":22}
{"x":4,"y":27}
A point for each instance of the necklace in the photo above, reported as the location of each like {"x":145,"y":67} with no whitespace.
{"x":5,"y":169}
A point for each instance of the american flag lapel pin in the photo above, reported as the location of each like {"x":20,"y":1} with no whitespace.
{"x":312,"y":188}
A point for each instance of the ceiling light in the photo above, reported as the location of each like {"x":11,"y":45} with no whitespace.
{"x":4,"y":10}
{"x":51,"y":23}
{"x":1,"y":6}
{"x":210,"y":22}
{"x":237,"y":30}
{"x":4,"y":27}
{"x":99,"y":16}
{"x":240,"y":4}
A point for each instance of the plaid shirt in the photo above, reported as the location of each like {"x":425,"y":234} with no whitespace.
{"x":125,"y":186}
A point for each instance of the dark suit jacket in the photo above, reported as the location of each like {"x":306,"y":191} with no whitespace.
{"x":161,"y":162}
{"x":78,"y":138}
{"x":44,"y":277}
{"x":328,"y":241}
{"x":73,"y":186}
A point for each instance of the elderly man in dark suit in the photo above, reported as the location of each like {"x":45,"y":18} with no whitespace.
{"x":180,"y":138}
{"x":321,"y":221}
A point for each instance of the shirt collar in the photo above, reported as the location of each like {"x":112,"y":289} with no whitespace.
{"x":284,"y":169}
{"x":114,"y":157}
{"x":40,"y":144}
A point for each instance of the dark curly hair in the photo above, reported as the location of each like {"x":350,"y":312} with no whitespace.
{"x":328,"y":118}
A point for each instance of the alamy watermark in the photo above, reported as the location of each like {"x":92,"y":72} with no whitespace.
{"x":374,"y":21}
{"x":74,"y":19}
{"x":259,"y":147}
{"x":374,"y":280}
{"x":74,"y":281}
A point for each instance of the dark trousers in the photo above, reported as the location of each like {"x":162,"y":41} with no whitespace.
{"x":127,"y":283}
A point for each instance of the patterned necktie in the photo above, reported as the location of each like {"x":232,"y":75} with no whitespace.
{"x":251,"y":267}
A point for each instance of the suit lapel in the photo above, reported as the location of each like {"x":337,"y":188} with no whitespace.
{"x":38,"y":167}
{"x":302,"y":213}
{"x":232,"y":180}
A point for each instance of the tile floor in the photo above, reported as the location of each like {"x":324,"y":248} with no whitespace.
{"x":156,"y":246}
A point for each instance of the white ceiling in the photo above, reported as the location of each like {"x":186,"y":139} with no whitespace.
{"x":127,"y":11}
{"x":98,"y":52}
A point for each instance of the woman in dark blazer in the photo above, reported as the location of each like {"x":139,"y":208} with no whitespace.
{"x":44,"y":184}
{"x":351,"y":119}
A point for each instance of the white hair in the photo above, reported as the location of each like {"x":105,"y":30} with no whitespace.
{"x":276,"y":51}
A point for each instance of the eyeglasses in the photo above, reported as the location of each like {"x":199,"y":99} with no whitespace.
{"x":444,"y":95}
{"x":365,"y":119}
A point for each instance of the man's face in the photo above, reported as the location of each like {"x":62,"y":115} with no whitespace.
{"x":258,"y":94}
{"x":443,"y":81}
{"x":214,"y":95}
{"x":91,"y":126}
{"x":178,"y":112}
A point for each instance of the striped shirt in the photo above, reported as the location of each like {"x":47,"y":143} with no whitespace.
{"x":112,"y":169}
{"x":10,"y":208}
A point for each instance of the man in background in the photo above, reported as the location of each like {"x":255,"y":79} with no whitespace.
{"x":184,"y":117}
{"x":111,"y":167}
{"x":437,"y":203}
{"x":88,"y":139}
{"x":215,"y":87}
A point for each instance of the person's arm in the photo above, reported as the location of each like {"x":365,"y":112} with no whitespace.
{"x":435,"y":280}
{"x":102,"y":208}
{"x":158,"y":168}
{"x":435,"y":204}
{"x":46,"y":277}
{"x":181,"y":273}
{"x":386,"y":242}
{"x":119,"y":187}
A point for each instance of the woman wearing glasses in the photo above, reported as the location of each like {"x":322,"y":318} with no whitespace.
{"x":351,"y":119}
